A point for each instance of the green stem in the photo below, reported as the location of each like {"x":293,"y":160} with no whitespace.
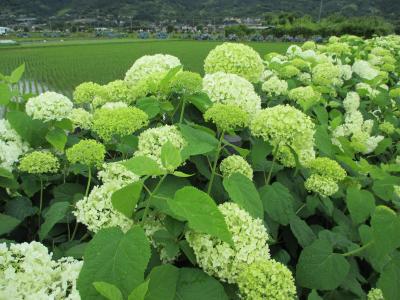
{"x":182,"y":111}
{"x":272,"y":165}
{"x":151,"y":194}
{"x":74,"y":232}
{"x":214,"y":167}
{"x":358,"y":250}
{"x":40,"y":200}
{"x":88,"y":183}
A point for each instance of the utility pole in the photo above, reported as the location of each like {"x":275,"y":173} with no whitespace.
{"x":320,"y":10}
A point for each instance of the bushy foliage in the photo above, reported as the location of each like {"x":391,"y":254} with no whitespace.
{"x":282,"y":184}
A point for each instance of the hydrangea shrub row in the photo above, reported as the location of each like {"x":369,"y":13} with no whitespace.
{"x":270,"y":177}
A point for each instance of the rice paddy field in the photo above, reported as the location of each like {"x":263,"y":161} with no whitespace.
{"x":62,"y":66}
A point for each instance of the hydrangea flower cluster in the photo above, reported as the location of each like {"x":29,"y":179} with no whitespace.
{"x":232,"y":89}
{"x":151,"y":141}
{"x":387,"y":127}
{"x":275,"y":86}
{"x":235,"y":164}
{"x":116,"y":172}
{"x":27,"y":271}
{"x":87,"y":152}
{"x":306,"y":97}
{"x":325,"y":175}
{"x":363,"y":69}
{"x":11,"y":146}
{"x":49,"y":106}
{"x":119,"y":121}
{"x":267,"y":279}
{"x":287,"y":129}
{"x":150,"y":64}
{"x":236,"y":59}
{"x":87,"y":92}
{"x":227,"y":117}
{"x":375,"y":294}
{"x":81,"y":118}
{"x":217,"y":258}
{"x":39,"y":162}
{"x":354,"y":127}
{"x":186,"y":83}
{"x":325,"y":74}
{"x":118,"y":91}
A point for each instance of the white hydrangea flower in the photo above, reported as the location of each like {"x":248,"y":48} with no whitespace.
{"x":351,"y":102}
{"x":346,"y":72}
{"x":81,"y":118}
{"x":49,"y":106}
{"x":275,"y":87}
{"x":112,"y":105}
{"x":363,"y":69}
{"x":150,"y":64}
{"x":11,"y":145}
{"x":116,"y":172}
{"x":232,"y":89}
{"x":218,"y":258}
{"x":27,"y":271}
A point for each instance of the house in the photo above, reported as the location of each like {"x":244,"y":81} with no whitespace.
{"x":4,"y":30}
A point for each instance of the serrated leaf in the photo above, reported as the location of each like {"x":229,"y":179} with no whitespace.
{"x":139,"y":292}
{"x":17,"y":74}
{"x":114,"y":257}
{"x":107,"y":290}
{"x":319,"y":268}
{"x":243,"y":192}
{"x":55,"y":214}
{"x":143,"y":166}
{"x":201,"y":101}
{"x":201,"y":212}
{"x":390,"y":278}
{"x":125,"y":199}
{"x":360,"y":203}
{"x":162,"y":284}
{"x":170,"y":156}
{"x":7,"y":223}
{"x":57,"y":138}
{"x":150,"y":105}
{"x":198,"y":141}
{"x":303,"y":233}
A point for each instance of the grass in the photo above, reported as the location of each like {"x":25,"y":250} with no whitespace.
{"x":62,"y":66}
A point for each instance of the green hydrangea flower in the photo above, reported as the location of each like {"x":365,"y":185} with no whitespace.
{"x":309,"y":45}
{"x":186,"y":83}
{"x":236,"y":164}
{"x":325,"y":74}
{"x":275,"y":86}
{"x":218,"y":258}
{"x":116,"y":91}
{"x":375,"y":294}
{"x":284,"y":126}
{"x":227,"y":117}
{"x":86,"y":92}
{"x":288,"y":71}
{"x":323,"y":185}
{"x":306,"y":97}
{"x":267,"y":279}
{"x":120,"y":121}
{"x":81,"y":118}
{"x":387,"y":127}
{"x":300,"y":64}
{"x":327,"y":167}
{"x":395,"y":93}
{"x":87,"y":152}
{"x":49,"y":106}
{"x":39,"y":162}
{"x":236,"y":59}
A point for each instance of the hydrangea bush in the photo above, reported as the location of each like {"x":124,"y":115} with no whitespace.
{"x":271,"y":177}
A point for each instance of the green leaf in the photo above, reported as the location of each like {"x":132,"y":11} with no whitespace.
{"x":181,"y":174}
{"x":314,"y":296}
{"x":5,"y":94}
{"x":67,"y":191}
{"x":114,"y":257}
{"x":278,"y":202}
{"x":55,"y":214}
{"x":57,"y":138}
{"x":128,"y":144}
{"x":139,"y":292}
{"x":303,"y":233}
{"x":17,"y":74}
{"x":32,"y":131}
{"x":323,"y":141}
{"x":390,"y":278}
{"x":76,"y":251}
{"x":162,"y":285}
{"x":7,"y":223}
{"x":150,"y":105}
{"x":201,"y":101}
{"x":243,"y":192}
{"x":167,"y":78}
{"x":107,"y":290}
{"x":170,"y":156}
{"x":383,"y":145}
{"x":319,"y":268}
{"x":259,"y":151}
{"x":383,"y":188}
{"x":20,"y":208}
{"x":199,"y":141}
{"x":143,"y":166}
{"x":201,"y":212}
{"x":361,"y":204}
{"x":125,"y":199}
{"x":194,"y":284}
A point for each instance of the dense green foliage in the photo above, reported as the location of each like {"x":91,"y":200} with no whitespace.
{"x":268,"y":178}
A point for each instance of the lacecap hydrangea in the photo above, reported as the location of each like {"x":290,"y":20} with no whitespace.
{"x":266,"y":279}
{"x":39,"y":162}
{"x":235,"y":164}
{"x":118,"y":121}
{"x":11,"y":145}
{"x":27,"y":271}
{"x":218,"y":258}
{"x":232,"y":89}
{"x":284,"y":126}
{"x":150,"y":64}
{"x":236,"y":59}
{"x":151,"y":141}
{"x":227,"y":117}
{"x":49,"y":106}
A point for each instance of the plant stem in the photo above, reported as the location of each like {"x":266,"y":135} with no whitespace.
{"x":146,"y":209}
{"x":88,"y":183}
{"x":358,"y":250}
{"x":182,"y":111}
{"x":214,"y":167}
{"x":40,"y":200}
{"x":272,"y":165}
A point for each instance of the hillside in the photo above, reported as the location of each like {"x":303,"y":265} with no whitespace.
{"x":188,"y":9}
